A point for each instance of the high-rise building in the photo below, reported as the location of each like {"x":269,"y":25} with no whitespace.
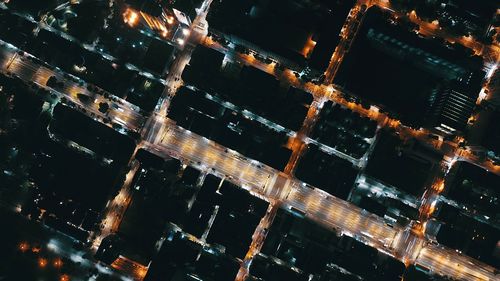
{"x":452,"y":105}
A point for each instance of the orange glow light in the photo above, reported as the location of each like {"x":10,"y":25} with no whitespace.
{"x":439,"y":186}
{"x":42,"y":262}
{"x":130,"y":17}
{"x":64,"y":277}
{"x":308,"y":47}
{"x":58,"y":263}
{"x":432,"y":208}
{"x":35,"y":249}
{"x":24,"y":246}
{"x":141,"y":271}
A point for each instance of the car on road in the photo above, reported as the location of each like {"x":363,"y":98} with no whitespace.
{"x":259,"y":57}
{"x":53,"y":83}
{"x":83,"y":98}
{"x":268,"y":61}
{"x":280,"y":66}
{"x":241,"y":49}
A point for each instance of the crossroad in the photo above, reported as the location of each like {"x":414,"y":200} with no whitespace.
{"x":349,"y":31}
{"x":28,"y":68}
{"x":329,"y":211}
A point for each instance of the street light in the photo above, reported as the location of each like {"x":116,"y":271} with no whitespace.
{"x":42,"y":262}
{"x":58,"y":263}
{"x":24,"y":246}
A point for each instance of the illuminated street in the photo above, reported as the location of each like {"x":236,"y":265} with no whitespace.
{"x":320,"y":207}
{"x":412,"y":242}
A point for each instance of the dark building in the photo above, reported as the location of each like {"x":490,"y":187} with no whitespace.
{"x":288,"y":29}
{"x":452,"y":106}
{"x":387,"y":66}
